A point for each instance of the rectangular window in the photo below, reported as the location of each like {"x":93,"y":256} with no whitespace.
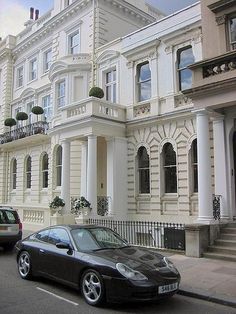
{"x":30,"y":114}
{"x":232,"y":32}
{"x":74,"y":43}
{"x":33,"y":69}
{"x":19,"y":77}
{"x":185,"y":57}
{"x":110,"y":86}
{"x":144,"y":81}
{"x":46,"y":104}
{"x":47,"y":60}
{"x":61,"y":94}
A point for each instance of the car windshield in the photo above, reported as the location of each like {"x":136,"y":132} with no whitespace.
{"x":94,"y":239}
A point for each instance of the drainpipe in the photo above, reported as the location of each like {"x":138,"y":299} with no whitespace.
{"x":93,"y":43}
{"x":6,"y":176}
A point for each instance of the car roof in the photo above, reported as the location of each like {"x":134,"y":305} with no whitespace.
{"x":7,"y":208}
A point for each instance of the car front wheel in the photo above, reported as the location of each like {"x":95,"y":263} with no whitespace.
{"x":92,"y":287}
{"x":24,"y":265}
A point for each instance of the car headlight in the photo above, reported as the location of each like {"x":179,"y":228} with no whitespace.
{"x":170,"y":265}
{"x":129,"y":273}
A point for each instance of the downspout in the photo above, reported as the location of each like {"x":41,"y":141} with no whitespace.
{"x":93,"y":44}
{"x":6,"y":176}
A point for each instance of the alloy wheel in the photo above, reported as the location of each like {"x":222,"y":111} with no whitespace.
{"x":24,"y":265}
{"x":92,"y":288}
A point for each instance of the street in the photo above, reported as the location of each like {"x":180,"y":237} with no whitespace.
{"x":43,"y":297}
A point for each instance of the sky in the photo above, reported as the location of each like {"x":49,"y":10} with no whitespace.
{"x":14,"y":13}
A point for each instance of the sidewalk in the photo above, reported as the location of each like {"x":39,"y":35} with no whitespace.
{"x":207,"y":279}
{"x":203,"y":278}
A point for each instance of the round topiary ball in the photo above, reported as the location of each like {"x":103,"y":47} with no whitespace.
{"x":21,"y":116}
{"x":10,"y":122}
{"x":37,"y":110}
{"x":96,"y":92}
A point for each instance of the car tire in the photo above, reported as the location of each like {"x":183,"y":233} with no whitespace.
{"x":25,"y":265}
{"x":92,"y":287}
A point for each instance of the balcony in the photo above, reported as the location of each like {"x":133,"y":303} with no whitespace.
{"x":217,"y":72}
{"x":39,"y":127}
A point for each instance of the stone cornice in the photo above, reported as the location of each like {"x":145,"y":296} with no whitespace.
{"x":51,"y":25}
{"x":221,"y":5}
{"x":145,"y":50}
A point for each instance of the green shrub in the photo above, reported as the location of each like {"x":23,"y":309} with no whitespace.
{"x":37,"y":110}
{"x":21,"y":116}
{"x":96,"y":92}
{"x":10,"y":122}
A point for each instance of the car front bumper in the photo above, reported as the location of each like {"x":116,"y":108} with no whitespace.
{"x":122,"y":290}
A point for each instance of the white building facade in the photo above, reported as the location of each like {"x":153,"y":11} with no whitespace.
{"x":136,"y":148}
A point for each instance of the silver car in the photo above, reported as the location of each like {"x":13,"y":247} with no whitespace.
{"x":10,"y":227}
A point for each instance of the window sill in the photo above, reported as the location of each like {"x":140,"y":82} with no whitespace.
{"x":143,"y":197}
{"x":169,"y":196}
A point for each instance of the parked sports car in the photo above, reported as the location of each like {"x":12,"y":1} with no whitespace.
{"x":99,"y":262}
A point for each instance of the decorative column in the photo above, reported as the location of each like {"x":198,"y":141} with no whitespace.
{"x":92,"y":172}
{"x":65,"y":179}
{"x":205,"y":211}
{"x":84,"y":152}
{"x":220,"y":165}
{"x":117,"y":177}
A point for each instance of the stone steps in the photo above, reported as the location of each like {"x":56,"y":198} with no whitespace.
{"x":224,"y":247}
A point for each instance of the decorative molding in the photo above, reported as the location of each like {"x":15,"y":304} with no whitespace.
{"x":221,"y":19}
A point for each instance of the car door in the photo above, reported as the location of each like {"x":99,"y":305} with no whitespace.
{"x":61,"y":263}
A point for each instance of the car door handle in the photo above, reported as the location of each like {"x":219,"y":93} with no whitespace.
{"x":41,"y":251}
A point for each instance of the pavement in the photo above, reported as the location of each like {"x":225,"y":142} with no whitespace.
{"x":203,"y":278}
{"x":207,"y":279}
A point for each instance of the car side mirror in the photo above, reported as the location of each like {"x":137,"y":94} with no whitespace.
{"x":63,"y":245}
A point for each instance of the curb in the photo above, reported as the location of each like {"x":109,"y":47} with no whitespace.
{"x":207,"y":297}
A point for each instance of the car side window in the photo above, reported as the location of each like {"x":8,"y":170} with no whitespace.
{"x":42,"y":235}
{"x":57,"y":235}
{"x":2,"y":217}
{"x":10,"y":217}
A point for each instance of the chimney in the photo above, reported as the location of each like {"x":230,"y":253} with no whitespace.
{"x":31,"y":13}
{"x":36,"y":14}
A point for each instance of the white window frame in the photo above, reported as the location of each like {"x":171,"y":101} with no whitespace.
{"x":140,"y":82}
{"x":33,"y":72}
{"x":45,"y":172}
{"x":19,"y":79}
{"x":47,"y":63}
{"x":28,"y":173}
{"x":46,"y":105}
{"x":71,"y":47}
{"x":60,"y":97}
{"x":112,"y":85}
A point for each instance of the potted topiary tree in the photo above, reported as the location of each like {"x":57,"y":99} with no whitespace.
{"x":96,"y":92}
{"x":21,"y":116}
{"x":9,"y":122}
{"x":38,"y":111}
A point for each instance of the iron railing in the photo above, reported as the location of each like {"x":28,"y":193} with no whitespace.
{"x":39,"y":127}
{"x":103,"y":203}
{"x":216,"y":206}
{"x":149,"y":234}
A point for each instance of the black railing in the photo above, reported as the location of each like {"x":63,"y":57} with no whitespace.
{"x":150,"y":234}
{"x":216,"y":206}
{"x":103,"y":205}
{"x":39,"y":127}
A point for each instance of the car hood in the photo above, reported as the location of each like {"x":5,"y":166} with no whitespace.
{"x":135,"y":257}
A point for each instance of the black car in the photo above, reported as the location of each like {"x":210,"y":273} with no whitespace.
{"x":99,"y":262}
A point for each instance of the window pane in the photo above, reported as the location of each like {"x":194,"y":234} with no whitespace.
{"x":185,"y":79}
{"x":145,"y":91}
{"x":170,"y":180}
{"x":45,"y":162}
{"x":144,"y":72}
{"x":143,"y":158}
{"x":169,"y":155}
{"x":108,"y":92}
{"x":186,"y":57}
{"x":233,"y":29}
{"x":144,"y":183}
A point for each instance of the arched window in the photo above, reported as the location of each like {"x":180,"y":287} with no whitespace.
{"x":185,"y":58}
{"x":169,"y":164}
{"x":14,"y":173}
{"x":28,"y":172}
{"x":58,"y":165}
{"x":144,"y":81}
{"x":194,"y":166}
{"x":45,"y":171}
{"x":143,"y":171}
